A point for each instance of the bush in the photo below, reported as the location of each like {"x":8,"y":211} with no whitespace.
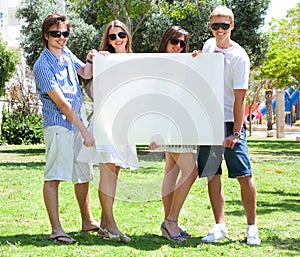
{"x":2,"y":140}
{"x":19,"y":126}
{"x":9,"y":59}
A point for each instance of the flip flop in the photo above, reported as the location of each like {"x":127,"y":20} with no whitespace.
{"x":96,"y":229}
{"x":61,"y":238}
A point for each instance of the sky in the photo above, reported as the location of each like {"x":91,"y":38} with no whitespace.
{"x":279,"y":8}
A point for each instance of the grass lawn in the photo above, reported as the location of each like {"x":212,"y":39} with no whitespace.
{"x":24,"y":223}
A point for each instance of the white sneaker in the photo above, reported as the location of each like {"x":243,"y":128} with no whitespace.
{"x":217,"y":233}
{"x":252,"y":235}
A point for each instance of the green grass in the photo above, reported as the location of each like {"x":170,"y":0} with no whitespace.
{"x":24,"y":223}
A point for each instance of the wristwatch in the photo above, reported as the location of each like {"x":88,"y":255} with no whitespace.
{"x":237,"y":134}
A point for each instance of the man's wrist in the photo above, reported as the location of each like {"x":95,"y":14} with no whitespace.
{"x":88,"y":61}
{"x":236,"y":134}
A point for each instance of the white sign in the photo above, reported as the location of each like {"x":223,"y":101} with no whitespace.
{"x":172,"y":99}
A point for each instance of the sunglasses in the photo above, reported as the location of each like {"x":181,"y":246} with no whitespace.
{"x":121,"y":34}
{"x":224,"y":26}
{"x":174,"y":41}
{"x":57,"y":34}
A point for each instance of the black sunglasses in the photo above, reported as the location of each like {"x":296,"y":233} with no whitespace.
{"x":57,"y":34}
{"x":121,"y":34}
{"x":174,"y":41}
{"x":224,"y":26}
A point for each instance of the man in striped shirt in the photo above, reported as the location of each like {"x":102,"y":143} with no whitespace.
{"x":57,"y":83}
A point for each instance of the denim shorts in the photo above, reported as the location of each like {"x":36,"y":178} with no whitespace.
{"x":237,"y":159}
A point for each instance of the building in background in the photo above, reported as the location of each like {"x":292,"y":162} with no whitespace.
{"x":9,"y":24}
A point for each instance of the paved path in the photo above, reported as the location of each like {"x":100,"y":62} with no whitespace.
{"x":291,"y":133}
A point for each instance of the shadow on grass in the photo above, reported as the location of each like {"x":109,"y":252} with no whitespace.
{"x":274,"y":147}
{"x":25,"y":151}
{"x":286,"y":201}
{"x":265,"y":207}
{"x":146,"y":242}
{"x":291,"y":245}
{"x":282,"y":193}
{"x":15,"y":165}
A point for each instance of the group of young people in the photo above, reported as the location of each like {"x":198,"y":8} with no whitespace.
{"x":65,"y":133}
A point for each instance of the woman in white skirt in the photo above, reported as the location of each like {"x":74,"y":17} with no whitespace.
{"x":111,"y":158}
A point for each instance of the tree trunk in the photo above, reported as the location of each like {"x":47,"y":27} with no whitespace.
{"x":268,"y":95}
{"x":280,"y":124}
{"x":250,"y":119}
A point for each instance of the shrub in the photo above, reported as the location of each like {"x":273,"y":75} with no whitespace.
{"x":2,"y":140}
{"x":9,"y":59}
{"x":20,"y":126}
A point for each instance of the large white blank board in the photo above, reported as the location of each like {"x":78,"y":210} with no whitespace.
{"x":172,"y":99}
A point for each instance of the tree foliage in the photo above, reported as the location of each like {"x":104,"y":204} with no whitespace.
{"x":249,"y":19}
{"x":283,"y":58}
{"x":260,"y":87}
{"x":83,"y":37}
{"x":9,"y":61}
{"x":193,"y":17}
{"x":148,"y":19}
{"x":32,"y":14}
{"x":147,"y":24}
{"x":132,"y":13}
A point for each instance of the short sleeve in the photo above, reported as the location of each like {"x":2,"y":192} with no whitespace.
{"x":45,"y":79}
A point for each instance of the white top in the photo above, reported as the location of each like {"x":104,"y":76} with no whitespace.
{"x":236,"y":72}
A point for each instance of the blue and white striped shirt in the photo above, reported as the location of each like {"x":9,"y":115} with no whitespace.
{"x":51,"y":73}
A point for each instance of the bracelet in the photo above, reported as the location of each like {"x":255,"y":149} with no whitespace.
{"x":88,"y":61}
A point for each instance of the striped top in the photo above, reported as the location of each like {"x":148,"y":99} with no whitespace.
{"x":53,"y":73}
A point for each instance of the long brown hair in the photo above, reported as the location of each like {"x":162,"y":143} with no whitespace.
{"x":173,"y":31}
{"x":105,"y":46}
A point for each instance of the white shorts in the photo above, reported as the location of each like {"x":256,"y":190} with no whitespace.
{"x":62,"y":147}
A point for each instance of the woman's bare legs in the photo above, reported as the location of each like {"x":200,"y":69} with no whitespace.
{"x":107,"y":191}
{"x":169,"y":182}
{"x":175,"y":162}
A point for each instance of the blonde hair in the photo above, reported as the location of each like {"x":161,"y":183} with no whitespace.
{"x":222,"y":11}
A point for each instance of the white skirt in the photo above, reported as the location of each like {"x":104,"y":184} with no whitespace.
{"x":181,"y":148}
{"x":122,"y":156}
